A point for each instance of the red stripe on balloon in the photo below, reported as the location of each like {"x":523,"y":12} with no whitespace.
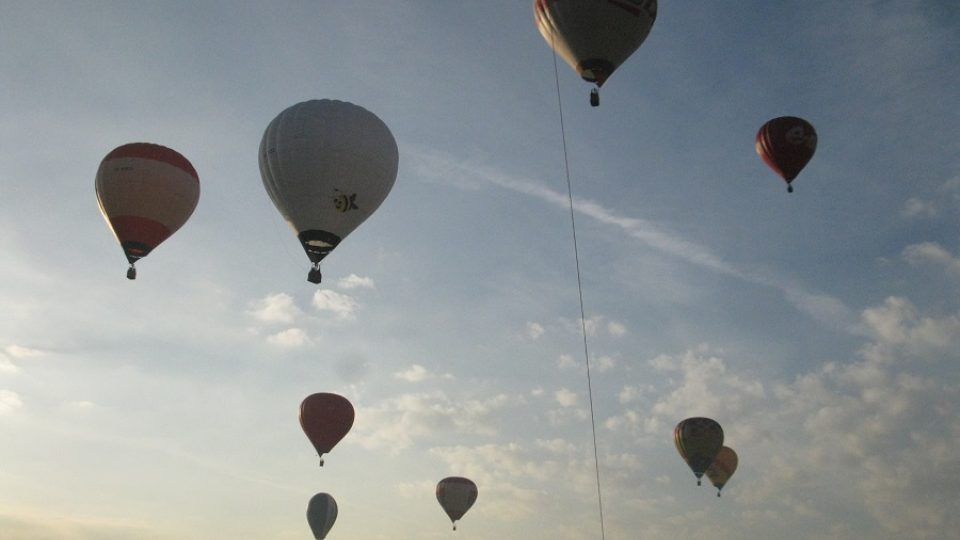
{"x":155,"y":152}
{"x":140,"y":230}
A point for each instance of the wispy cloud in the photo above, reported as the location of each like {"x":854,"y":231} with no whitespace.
{"x":435,"y":166}
{"x":9,"y":402}
{"x":17,"y":351}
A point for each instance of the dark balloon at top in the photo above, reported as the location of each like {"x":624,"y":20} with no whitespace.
{"x":786,"y":144}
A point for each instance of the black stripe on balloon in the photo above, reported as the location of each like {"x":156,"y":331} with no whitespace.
{"x":318,"y":243}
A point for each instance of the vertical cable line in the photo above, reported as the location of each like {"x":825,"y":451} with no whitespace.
{"x":583,"y":319}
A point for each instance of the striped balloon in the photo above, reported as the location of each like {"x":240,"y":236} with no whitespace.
{"x":321,"y":514}
{"x":786,"y":145}
{"x":146,"y":192}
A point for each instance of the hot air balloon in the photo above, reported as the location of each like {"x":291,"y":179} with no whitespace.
{"x":698,"y":440}
{"x":786,"y":144}
{"x":456,"y":495}
{"x":321,"y":514}
{"x":595,"y":36}
{"x":146,"y":192}
{"x":722,"y":468}
{"x":325,"y":419}
{"x":327,"y":166}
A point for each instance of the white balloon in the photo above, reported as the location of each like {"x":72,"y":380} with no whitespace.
{"x":327,"y":165}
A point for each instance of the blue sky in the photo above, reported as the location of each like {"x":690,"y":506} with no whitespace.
{"x":820,"y":328}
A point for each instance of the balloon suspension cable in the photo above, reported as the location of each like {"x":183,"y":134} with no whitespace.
{"x":583,"y":320}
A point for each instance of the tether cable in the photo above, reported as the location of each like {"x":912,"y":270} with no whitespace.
{"x":583,"y":319}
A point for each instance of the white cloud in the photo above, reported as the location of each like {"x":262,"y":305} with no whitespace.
{"x":6,"y":366}
{"x":897,"y":325}
{"x":566,"y":397}
{"x":9,"y":402}
{"x":951,"y":186}
{"x":916,"y":208}
{"x":590,"y":325}
{"x":557,"y":446}
{"x":705,"y":388}
{"x":416,"y":373}
{"x":354,"y":281}
{"x":341,"y":305}
{"x":78,"y":406}
{"x":629,"y":393}
{"x":402,"y":421}
{"x":820,"y":307}
{"x":931,"y":252}
{"x":291,"y":337}
{"x":871,"y":431}
{"x":534,"y":330}
{"x":566,"y":361}
{"x":16,"y":351}
{"x":275,"y":308}
{"x":616,"y":329}
{"x":604,"y":363}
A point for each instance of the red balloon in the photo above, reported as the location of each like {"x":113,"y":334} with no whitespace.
{"x":786,"y":144}
{"x":325,"y":419}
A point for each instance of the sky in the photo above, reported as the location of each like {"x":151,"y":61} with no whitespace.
{"x":821,"y":328}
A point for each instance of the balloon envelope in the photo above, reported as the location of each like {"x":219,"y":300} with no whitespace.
{"x":146,"y":193}
{"x":321,"y":514}
{"x":595,"y":36}
{"x":327,"y":166}
{"x":325,"y":419}
{"x":722,"y":468}
{"x":698,"y":440}
{"x":786,"y":145}
{"x":456,"y":495}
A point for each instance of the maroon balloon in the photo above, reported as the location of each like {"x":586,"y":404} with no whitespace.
{"x":786,"y":144}
{"x":325,"y":419}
